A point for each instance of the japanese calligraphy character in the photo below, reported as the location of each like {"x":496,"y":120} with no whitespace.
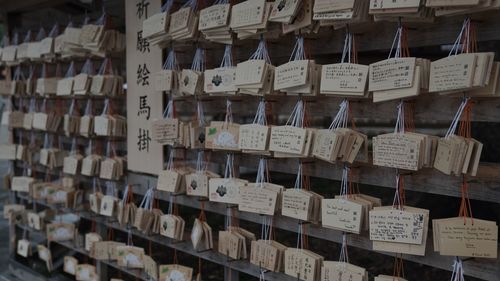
{"x":142,"y":9}
{"x":142,"y":43}
{"x":144,"y":139}
{"x":144,"y":108}
{"x":143,"y":75}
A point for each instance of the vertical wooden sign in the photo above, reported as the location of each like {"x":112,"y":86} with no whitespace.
{"x":143,"y":102}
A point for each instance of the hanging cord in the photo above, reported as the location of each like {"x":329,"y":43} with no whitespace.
{"x":229,"y":170}
{"x":170,"y":163}
{"x":171,"y":61}
{"x":466,"y":41}
{"x":344,"y":255}
{"x":262,"y":173}
{"x":344,"y":184}
{"x":47,"y":141}
{"x":106,"y":67}
{"x":266,"y":232}
{"x":260,"y":116}
{"x":302,"y":239}
{"x":111,"y":188}
{"x":458,"y":270}
{"x":465,"y":125}
{"x":349,"y":52}
{"x":399,"y":200}
{"x":41,"y":34}
{"x":405,"y":117}
{"x":299,"y":180}
{"x":399,"y":46}
{"x":173,"y":209}
{"x":18,"y":74}
{"x":73,"y":150}
{"x":342,"y":117}
{"x":105,"y":109}
{"x":54,"y":32}
{"x":201,"y":165}
{"x":88,"y":108}
{"x":298,"y":52}
{"x":165,"y":8}
{"x":200,"y":114}
{"x":457,"y":117}
{"x":228,"y":119}
{"x":465,"y":205}
{"x":202,"y":217}
{"x":31,"y":74}
{"x":169,"y":109}
{"x":230,"y":219}
{"x":88,"y":67}
{"x":198,"y":60}
{"x":227,"y":58}
{"x":72,"y":107}
{"x":261,"y":53}
{"x":71,"y":70}
{"x":15,"y":39}
{"x":398,"y":271}
{"x":193,"y":4}
{"x":96,"y":186}
{"x":296,"y":119}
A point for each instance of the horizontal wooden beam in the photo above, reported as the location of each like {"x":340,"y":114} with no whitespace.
{"x":430,"y":109}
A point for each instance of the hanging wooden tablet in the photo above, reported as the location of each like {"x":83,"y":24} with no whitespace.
{"x":155,"y":27}
{"x":86,"y":272}
{"x":175,"y":272}
{"x":60,"y":231}
{"x":70,"y":264}
{"x":24,"y":248}
{"x":221,"y":80}
{"x":130,"y":257}
{"x":45,"y":254}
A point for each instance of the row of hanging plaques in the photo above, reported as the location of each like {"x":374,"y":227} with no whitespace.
{"x":251,"y":19}
{"x":464,"y":71}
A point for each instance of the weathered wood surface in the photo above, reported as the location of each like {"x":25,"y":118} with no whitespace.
{"x":430,"y":109}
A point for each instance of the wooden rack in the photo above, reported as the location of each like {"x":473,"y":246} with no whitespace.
{"x":433,"y":113}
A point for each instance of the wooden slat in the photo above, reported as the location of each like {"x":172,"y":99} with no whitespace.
{"x":485,"y":186}
{"x":430,"y":109}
